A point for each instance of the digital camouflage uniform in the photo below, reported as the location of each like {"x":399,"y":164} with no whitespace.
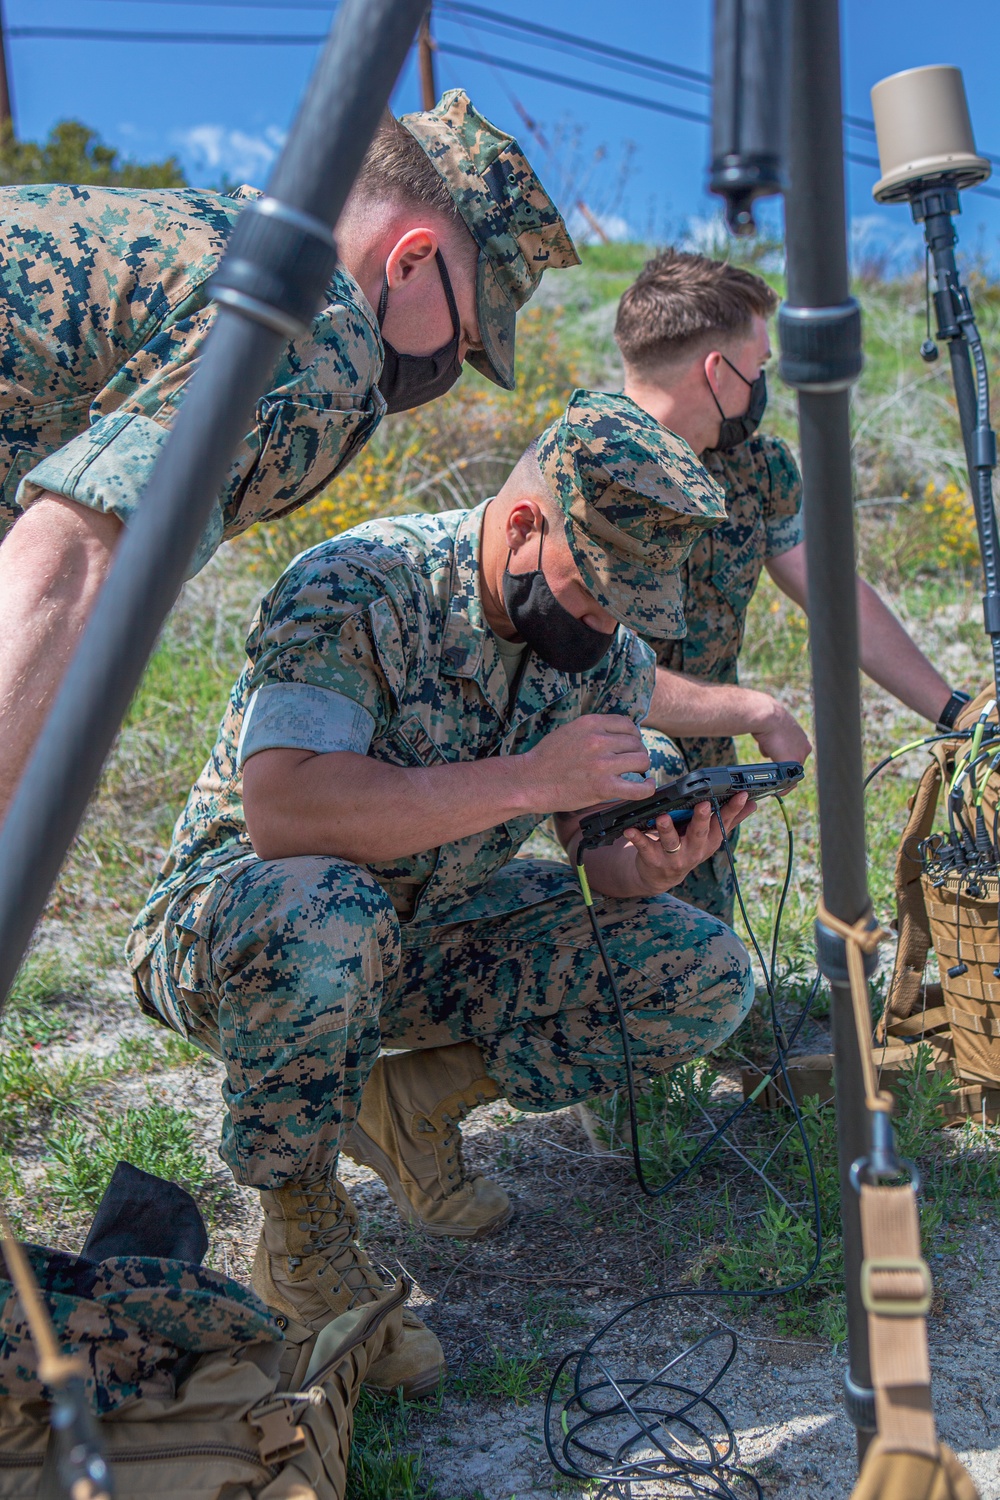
{"x":105,"y":300}
{"x":763,"y":491}
{"x":294,"y":970}
{"x":105,"y":311}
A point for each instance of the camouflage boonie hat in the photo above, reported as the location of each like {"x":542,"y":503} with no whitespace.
{"x":635,"y":499}
{"x":509,"y":214}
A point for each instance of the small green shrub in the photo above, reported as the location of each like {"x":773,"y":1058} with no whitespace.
{"x":28,"y":1086}
{"x":32,"y":1013}
{"x":669,"y":1113}
{"x":157,"y":1138}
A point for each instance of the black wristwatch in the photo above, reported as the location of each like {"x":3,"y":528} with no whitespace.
{"x":951,"y":710}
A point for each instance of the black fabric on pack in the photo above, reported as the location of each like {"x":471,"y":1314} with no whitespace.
{"x":141,"y":1214}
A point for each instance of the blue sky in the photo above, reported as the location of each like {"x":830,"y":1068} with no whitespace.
{"x":223,"y":108}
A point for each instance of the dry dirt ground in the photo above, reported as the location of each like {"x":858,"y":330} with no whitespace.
{"x":582,"y":1245}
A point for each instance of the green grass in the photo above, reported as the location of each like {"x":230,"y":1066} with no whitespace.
{"x":548,"y":1316}
{"x":727,"y":1228}
{"x":746,"y":1234}
{"x":504,"y":1377}
{"x":670,"y":1118}
{"x":381,"y":1468}
{"x":157,"y":1138}
{"x":153,"y":1054}
{"x":29,"y":1086}
{"x":33,"y":1013}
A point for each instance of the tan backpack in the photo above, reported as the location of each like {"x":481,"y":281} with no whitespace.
{"x":960,"y":1017}
{"x":226,"y":1433}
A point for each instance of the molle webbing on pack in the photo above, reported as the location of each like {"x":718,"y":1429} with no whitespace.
{"x":958,"y":925}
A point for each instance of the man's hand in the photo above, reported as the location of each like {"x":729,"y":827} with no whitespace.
{"x":684,"y":707}
{"x":581,"y":764}
{"x":664,"y":858}
{"x":782,"y":737}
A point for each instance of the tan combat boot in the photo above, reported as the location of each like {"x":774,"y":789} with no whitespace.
{"x":309,"y":1268}
{"x":407,"y":1132}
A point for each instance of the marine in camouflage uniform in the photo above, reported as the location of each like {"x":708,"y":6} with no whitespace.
{"x":296,"y":970}
{"x":763,"y":490}
{"x":106,"y":305}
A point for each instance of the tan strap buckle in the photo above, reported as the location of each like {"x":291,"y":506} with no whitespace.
{"x":280,"y":1435}
{"x":883,"y":1299}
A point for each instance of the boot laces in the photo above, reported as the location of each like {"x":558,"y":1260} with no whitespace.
{"x":453,"y":1156}
{"x":333,"y":1236}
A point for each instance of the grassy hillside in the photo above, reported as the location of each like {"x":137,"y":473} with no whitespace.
{"x":83,"y":1078}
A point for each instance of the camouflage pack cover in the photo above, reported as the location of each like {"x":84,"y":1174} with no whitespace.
{"x":519,"y":230}
{"x":130,"y":1319}
{"x":635,"y":498}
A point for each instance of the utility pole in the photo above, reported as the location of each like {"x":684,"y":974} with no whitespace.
{"x":6,"y":113}
{"x":425,"y":56}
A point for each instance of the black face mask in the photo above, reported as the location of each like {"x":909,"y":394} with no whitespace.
{"x":409,"y":380}
{"x":559,"y":638}
{"x":736,"y":430}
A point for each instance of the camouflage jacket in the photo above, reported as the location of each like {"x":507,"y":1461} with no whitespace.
{"x":389,"y":617}
{"x":105,"y":311}
{"x":763,"y":490}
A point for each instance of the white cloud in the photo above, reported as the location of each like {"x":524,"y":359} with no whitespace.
{"x":883,"y":247}
{"x":216,"y":151}
{"x":706,"y":236}
{"x":613,"y":225}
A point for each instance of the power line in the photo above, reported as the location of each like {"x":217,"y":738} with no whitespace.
{"x":491,"y":19}
{"x":494,"y":20}
{"x":237,"y":38}
{"x":686,"y":77}
{"x":572,"y":83}
{"x":326,"y":5}
{"x":81,"y":33}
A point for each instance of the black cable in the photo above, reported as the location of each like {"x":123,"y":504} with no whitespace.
{"x":648,"y":1410}
{"x":930,"y":739}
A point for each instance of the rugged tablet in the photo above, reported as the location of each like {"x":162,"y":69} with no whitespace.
{"x":680,"y":797}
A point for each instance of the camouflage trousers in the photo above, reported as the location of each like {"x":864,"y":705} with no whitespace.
{"x":710,"y":886}
{"x":297,"y":971}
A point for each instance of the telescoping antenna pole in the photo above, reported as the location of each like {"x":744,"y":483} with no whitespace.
{"x":789,"y":50}
{"x":820,"y":333}
{"x":270,"y":285}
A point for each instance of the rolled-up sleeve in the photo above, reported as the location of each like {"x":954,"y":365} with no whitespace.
{"x":335,"y":630}
{"x":299,"y":716}
{"x":107,"y":468}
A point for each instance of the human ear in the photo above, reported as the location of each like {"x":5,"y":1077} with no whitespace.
{"x":524,"y":522}
{"x":713,"y":369}
{"x":413,"y":254}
